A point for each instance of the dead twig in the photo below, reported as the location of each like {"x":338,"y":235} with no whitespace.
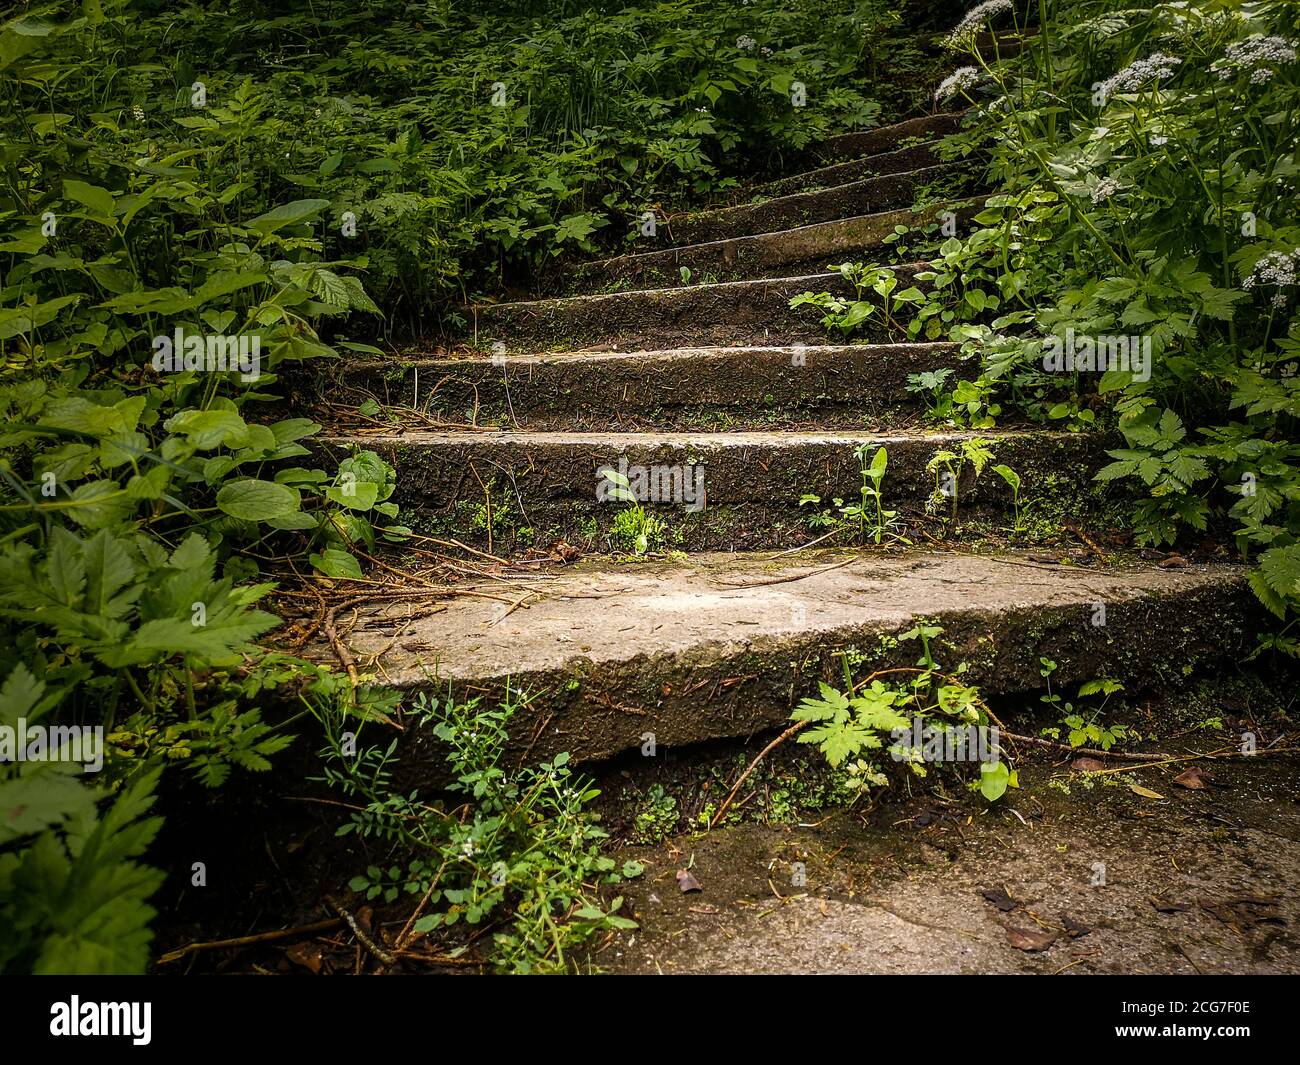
{"x":246,"y":941}
{"x":362,"y":938}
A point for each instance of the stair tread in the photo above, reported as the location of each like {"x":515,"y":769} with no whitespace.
{"x":411,"y":359}
{"x":738,"y":438}
{"x":711,"y":604}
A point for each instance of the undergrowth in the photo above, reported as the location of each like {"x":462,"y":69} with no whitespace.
{"x":1134,"y":271}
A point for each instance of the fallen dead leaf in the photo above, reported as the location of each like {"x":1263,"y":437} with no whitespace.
{"x":1194,"y":778}
{"x":1146,"y":793}
{"x":1073,"y":928}
{"x":1161,"y":906}
{"x":1030,"y":939}
{"x":308,"y":955}
{"x":999,"y":898}
{"x":687,"y":882}
{"x":1087,"y":765}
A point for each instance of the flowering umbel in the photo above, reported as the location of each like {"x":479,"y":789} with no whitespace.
{"x":965,"y":30}
{"x":1156,"y":67}
{"x":959,"y":80}
{"x":1259,"y":55}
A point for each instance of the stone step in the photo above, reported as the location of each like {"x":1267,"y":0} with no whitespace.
{"x":763,"y":255}
{"x":722,"y":646}
{"x":885,"y":165}
{"x":887,"y":138}
{"x":858,"y":197}
{"x":722,"y":489}
{"x":752,"y":312}
{"x":833,"y":385}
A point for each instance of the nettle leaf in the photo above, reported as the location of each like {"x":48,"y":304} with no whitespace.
{"x":206,"y":429}
{"x":100,"y":201}
{"x":257,"y":500}
{"x":287,"y":214}
{"x":333,"y":562}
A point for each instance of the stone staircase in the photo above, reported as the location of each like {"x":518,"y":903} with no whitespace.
{"x":630,"y":364}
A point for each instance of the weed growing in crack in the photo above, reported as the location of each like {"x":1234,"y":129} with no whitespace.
{"x":516,"y":849}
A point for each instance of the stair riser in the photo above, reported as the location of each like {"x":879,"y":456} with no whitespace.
{"x":599,"y":710}
{"x":738,"y":387}
{"x":768,"y":471}
{"x":917,"y":157}
{"x":753,"y":313}
{"x":789,"y":212}
{"x":888,"y":139}
{"x":767,"y":255}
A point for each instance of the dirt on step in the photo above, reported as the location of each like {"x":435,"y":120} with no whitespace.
{"x":1100,"y":880}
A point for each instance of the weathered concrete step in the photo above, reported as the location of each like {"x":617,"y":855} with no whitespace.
{"x":741,"y":489}
{"x":762,"y":255}
{"x":722,"y":646}
{"x":887,"y":138}
{"x":1004,"y":45}
{"x":745,"y":387}
{"x":859,"y":197}
{"x":886,"y":165}
{"x":735,"y":312}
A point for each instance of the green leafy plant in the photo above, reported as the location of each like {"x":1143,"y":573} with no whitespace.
{"x":1082,"y":721}
{"x":519,"y":848}
{"x":846,"y":724}
{"x":947,"y":467}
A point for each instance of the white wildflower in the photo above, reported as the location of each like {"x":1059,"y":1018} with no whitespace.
{"x":1106,"y":188}
{"x":1155,"y":67}
{"x":1157,"y":140}
{"x":138,"y":111}
{"x":746,"y":43}
{"x":1257,"y":54}
{"x":971,"y":22}
{"x":765,"y":50}
{"x":959,"y":80}
{"x":1277,"y":268}
{"x":1278,"y":301}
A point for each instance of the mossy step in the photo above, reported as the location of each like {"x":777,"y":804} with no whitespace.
{"x":738,"y":489}
{"x":763,"y":255}
{"x":833,"y":385}
{"x":855,"y":197}
{"x":884,"y":165}
{"x":720,"y":646}
{"x":751,"y":312}
{"x":887,"y":138}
